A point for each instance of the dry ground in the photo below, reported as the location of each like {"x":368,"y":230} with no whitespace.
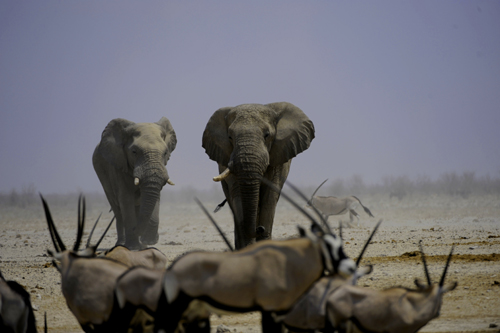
{"x":472,"y":224}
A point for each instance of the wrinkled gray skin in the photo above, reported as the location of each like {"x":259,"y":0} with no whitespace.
{"x":255,"y":140}
{"x":127,"y":151}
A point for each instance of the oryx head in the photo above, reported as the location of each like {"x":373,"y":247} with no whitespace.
{"x":435,"y":291}
{"x":61,"y":254}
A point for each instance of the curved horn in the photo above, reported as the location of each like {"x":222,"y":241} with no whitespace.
{"x":367,"y":243}
{"x":441,"y":282}
{"x":222,"y":176}
{"x":427,"y":276}
{"x":104,"y":234}
{"x":92,"y":231}
{"x":310,"y":201}
{"x":54,"y":235}
{"x":81,"y":222}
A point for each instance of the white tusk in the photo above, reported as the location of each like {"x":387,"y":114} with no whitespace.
{"x":136,"y":181}
{"x":169,"y":182}
{"x":222,"y":176}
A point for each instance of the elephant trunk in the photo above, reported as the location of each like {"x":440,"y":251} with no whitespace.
{"x":152,"y":176}
{"x":147,"y":221}
{"x":249,"y":176}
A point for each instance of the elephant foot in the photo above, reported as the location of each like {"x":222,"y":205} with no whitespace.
{"x":262,"y":234}
{"x":134,"y":244}
{"x":150,"y":236}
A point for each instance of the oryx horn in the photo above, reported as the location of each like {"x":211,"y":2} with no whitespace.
{"x":426,"y":270}
{"x":215,"y":224}
{"x":54,"y":235}
{"x":367,"y":242}
{"x":81,"y":222}
{"x":312,"y":196}
{"x":92,"y":231}
{"x":441,"y":282}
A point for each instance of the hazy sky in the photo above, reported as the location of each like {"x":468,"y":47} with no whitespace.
{"x":393,"y":87}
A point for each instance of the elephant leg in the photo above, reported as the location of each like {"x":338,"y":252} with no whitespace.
{"x":151,"y":236}
{"x":269,"y":199}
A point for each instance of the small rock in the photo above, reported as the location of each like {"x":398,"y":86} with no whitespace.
{"x":472,"y":247}
{"x":35,"y":307}
{"x":493,"y":325}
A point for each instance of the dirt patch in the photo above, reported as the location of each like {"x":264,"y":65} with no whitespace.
{"x":471,"y":225}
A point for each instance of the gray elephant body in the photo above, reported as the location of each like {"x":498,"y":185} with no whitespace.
{"x":254,"y":141}
{"x":130,"y":164}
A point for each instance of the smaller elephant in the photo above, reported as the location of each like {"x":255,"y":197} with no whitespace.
{"x":130,"y":163}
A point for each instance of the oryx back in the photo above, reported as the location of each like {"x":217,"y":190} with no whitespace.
{"x":268,"y":275}
{"x":149,"y":257}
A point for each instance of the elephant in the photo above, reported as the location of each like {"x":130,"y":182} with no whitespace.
{"x":251,"y":141}
{"x":130,"y":163}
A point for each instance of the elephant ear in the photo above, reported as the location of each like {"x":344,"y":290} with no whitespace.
{"x":113,"y":139}
{"x":215,"y":138}
{"x":294,"y":133}
{"x":170,"y":137}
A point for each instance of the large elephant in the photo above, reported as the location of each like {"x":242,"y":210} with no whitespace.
{"x":248,"y":142}
{"x":130,"y":163}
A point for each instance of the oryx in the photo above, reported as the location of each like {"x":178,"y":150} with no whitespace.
{"x":394,"y":310}
{"x":268,"y":276}
{"x":308,"y":314}
{"x":329,"y":206}
{"x":16,"y":312}
{"x":87,"y":282}
{"x":149,"y":257}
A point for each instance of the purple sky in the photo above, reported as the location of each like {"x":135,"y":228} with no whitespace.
{"x":393,"y":87}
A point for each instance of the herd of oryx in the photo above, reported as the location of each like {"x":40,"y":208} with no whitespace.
{"x":304,"y":284}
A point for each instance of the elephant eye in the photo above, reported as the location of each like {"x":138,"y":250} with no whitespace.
{"x":266,"y":134}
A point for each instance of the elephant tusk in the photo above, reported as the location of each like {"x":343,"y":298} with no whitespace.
{"x":136,"y":181}
{"x":222,"y":176}
{"x":169,"y":182}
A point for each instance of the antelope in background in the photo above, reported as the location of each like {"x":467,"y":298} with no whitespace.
{"x":394,"y":310}
{"x":16,"y":312}
{"x":329,"y":206}
{"x":149,"y":257}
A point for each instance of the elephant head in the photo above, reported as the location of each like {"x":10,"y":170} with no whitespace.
{"x":248,"y":142}
{"x":136,"y":155}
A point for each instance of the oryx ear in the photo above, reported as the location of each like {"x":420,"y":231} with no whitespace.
{"x":302,"y":231}
{"x":294,"y":133}
{"x":170,"y":286}
{"x":316,"y":229}
{"x":215,"y":138}
{"x":449,"y":287}
{"x":120,"y":297}
{"x":419,"y":284}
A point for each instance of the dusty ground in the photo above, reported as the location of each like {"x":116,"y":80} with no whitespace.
{"x":472,"y":224}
